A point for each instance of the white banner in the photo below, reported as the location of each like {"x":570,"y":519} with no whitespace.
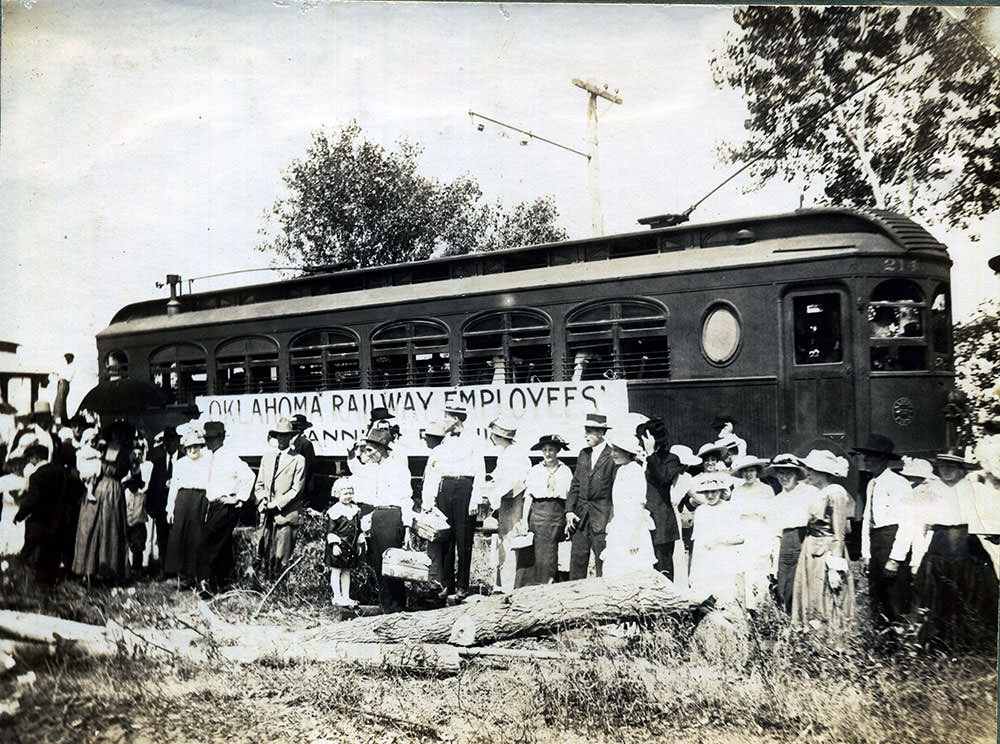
{"x":340,"y":417}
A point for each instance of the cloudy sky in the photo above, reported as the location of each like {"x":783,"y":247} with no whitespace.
{"x":149,"y":138}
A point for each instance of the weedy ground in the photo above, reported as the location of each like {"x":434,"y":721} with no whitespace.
{"x":638,"y":682}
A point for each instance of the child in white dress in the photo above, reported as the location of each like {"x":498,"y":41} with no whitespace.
{"x":344,"y":541}
{"x":717,"y":557}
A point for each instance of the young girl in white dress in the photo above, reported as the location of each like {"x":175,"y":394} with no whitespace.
{"x":629,"y":545}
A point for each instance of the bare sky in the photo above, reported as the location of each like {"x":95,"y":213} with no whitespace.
{"x":144,"y":138}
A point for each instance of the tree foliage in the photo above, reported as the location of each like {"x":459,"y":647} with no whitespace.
{"x":920,"y":141}
{"x":352,"y":201}
{"x":977,"y":365}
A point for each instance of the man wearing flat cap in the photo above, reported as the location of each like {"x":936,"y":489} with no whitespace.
{"x":454,"y":470}
{"x":885,"y":531}
{"x":278,"y":492}
{"x":588,"y":505}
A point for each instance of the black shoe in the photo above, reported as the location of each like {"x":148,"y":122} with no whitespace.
{"x":444,"y":593}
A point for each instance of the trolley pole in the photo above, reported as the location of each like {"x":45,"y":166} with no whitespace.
{"x":593,"y":165}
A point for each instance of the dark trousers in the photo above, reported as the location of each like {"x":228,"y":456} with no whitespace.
{"x":217,"y":560}
{"x":585,"y":542}
{"x":453,"y":501}
{"x":664,"y":553}
{"x":889,"y":595}
{"x":387,"y":532}
{"x":162,"y":527}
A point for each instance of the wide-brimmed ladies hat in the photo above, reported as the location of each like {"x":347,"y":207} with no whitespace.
{"x":824,"y":461}
{"x":284,"y":426}
{"x":193,"y":436}
{"x":953,"y":459}
{"x":686,"y":455}
{"x":624,"y":441}
{"x":743,"y":462}
{"x":504,"y":428}
{"x":879,"y":446}
{"x":785,"y":461}
{"x":916,"y":468}
{"x":710,"y":482}
{"x":554,"y":439}
{"x":713,"y":447}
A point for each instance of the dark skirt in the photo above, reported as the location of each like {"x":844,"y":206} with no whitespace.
{"x":547,"y":520}
{"x":101,"y":545}
{"x":957,"y":589}
{"x":347,"y":529}
{"x":184,"y":545}
{"x":788,"y":559}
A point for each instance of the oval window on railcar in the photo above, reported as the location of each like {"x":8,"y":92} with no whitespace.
{"x":896,"y":327}
{"x":180,"y":371}
{"x":324,"y":359}
{"x":116,"y":365}
{"x":624,"y":339}
{"x":246,"y":365}
{"x":507,"y":346}
{"x":413,"y":352}
{"x":721,"y":334}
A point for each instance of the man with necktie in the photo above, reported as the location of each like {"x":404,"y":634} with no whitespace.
{"x":279,"y":495}
{"x":588,"y":506}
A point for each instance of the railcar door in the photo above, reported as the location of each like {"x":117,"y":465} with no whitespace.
{"x":817,"y":396}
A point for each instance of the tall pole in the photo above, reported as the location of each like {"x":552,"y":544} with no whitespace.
{"x":593,"y":164}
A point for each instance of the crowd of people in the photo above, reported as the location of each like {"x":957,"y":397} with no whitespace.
{"x":100,"y":503}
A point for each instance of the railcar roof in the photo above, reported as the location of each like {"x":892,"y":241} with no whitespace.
{"x":815,"y":233}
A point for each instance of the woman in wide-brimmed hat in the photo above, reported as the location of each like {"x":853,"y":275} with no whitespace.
{"x":543,"y":514}
{"x":717,"y":553}
{"x":823,"y":591}
{"x":755,"y":501}
{"x":187,"y":506}
{"x":629,"y":544}
{"x":791,"y":509}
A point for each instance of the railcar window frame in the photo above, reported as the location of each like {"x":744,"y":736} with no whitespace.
{"x":897,"y":321}
{"x":173,"y":365}
{"x":116,"y":365}
{"x":331,"y":357}
{"x":712,"y":311}
{"x":248,"y":361}
{"x":616,"y":332}
{"x":819,"y":347}
{"x":532,"y":366}
{"x":417,"y":349}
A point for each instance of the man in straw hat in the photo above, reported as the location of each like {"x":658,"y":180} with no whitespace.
{"x":451,"y":478}
{"x":885,"y":531}
{"x":504,"y":488}
{"x":278,"y":491}
{"x":588,"y":505}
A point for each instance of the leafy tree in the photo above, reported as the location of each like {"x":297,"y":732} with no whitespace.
{"x":977,"y":366}
{"x":921,"y":140}
{"x":352,"y":201}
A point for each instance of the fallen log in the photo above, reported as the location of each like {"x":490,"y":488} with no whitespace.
{"x":438,"y":659}
{"x":530,"y":610}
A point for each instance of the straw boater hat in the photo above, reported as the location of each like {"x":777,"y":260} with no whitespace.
{"x":709,"y":482}
{"x":743,"y":462}
{"x":824,"y":461}
{"x":503,"y":428}
{"x":283,"y":426}
{"x":596,"y":421}
{"x":686,"y":455}
{"x":879,"y":446}
{"x":952,"y":459}
{"x":786,"y":461}
{"x":456,"y":409}
{"x":710,"y":447}
{"x":914,"y":467}
{"x":300,"y":423}
{"x":554,"y":439}
{"x":381,"y":438}
{"x":624,"y":441}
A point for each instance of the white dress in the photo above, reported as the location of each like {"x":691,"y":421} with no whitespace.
{"x":629,"y":546}
{"x":756,"y":505}
{"x":11,"y":535}
{"x":717,"y":556}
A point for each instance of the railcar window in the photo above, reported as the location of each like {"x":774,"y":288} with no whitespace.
{"x":180,"y":371}
{"x":116,"y":365}
{"x":720,"y":334}
{"x":896,"y":326}
{"x":325,"y":359}
{"x":941,"y":327}
{"x":507,"y":347}
{"x":621,"y":339}
{"x":818,"y":329}
{"x":246,"y":365}
{"x":410,"y":353}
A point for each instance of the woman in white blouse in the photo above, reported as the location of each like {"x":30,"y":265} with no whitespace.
{"x":629,"y":543}
{"x":544,"y":514}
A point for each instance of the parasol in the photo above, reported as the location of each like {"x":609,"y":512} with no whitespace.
{"x":122,"y":397}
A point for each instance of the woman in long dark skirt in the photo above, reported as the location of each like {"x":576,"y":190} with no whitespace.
{"x":186,"y":508}
{"x":101,"y":546}
{"x":792,"y":514}
{"x":544,"y":513}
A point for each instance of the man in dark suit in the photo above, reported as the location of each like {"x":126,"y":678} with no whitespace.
{"x":302,"y":445}
{"x":43,"y":511}
{"x":588,"y":506}
{"x":163,"y":456}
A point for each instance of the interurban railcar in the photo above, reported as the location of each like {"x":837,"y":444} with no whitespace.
{"x":818,"y":323}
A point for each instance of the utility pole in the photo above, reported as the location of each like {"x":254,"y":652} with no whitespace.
{"x":593,"y":166}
